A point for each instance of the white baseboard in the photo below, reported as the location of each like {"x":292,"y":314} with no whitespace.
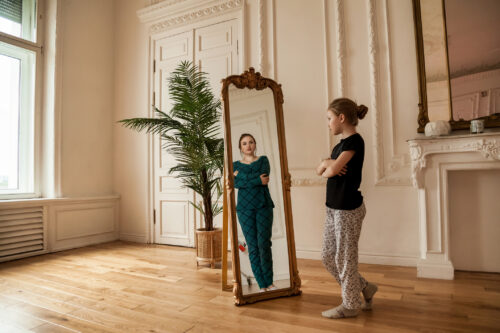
{"x":430,"y":270}
{"x":366,"y":258}
{"x":135,"y":238}
{"x":308,"y":254}
{"x":388,"y":259}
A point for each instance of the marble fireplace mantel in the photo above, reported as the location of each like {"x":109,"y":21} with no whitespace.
{"x":432,"y":158}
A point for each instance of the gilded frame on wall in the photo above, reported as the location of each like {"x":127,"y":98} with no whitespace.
{"x":423,"y":116}
{"x":253,"y":80}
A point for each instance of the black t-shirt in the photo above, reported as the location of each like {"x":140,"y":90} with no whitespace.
{"x":342,"y":192}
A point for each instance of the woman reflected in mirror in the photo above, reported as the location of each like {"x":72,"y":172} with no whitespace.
{"x":255,"y":209}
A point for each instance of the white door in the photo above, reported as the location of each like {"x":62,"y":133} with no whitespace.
{"x":215,"y":49}
{"x":173,"y":213}
{"x":216,"y":53}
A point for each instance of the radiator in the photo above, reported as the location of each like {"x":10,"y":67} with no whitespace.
{"x":21,"y":232}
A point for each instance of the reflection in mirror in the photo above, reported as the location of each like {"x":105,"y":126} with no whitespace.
{"x":258,"y":206}
{"x":436,"y":63}
{"x":474,"y":56}
{"x":263,"y":252}
{"x":458,"y":48}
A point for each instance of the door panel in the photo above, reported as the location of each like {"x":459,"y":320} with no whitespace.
{"x":174,"y":218}
{"x":216,"y":53}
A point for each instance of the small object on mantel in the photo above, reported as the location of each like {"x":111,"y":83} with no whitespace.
{"x":438,"y":127}
{"x":477,"y":126}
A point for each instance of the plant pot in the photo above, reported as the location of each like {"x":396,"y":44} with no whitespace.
{"x":208,"y":246}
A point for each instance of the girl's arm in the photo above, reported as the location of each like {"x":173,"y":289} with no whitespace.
{"x":325,"y":163}
{"x":338,"y":166}
{"x":322,"y":166}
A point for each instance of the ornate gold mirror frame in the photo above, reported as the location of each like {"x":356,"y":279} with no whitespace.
{"x":423,"y":116}
{"x":252,"y":80}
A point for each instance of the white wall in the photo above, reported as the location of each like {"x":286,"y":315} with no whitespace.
{"x":390,"y":232}
{"x":78,"y":202}
{"x":381,"y":75}
{"x":130,"y":176}
{"x":86,"y":97}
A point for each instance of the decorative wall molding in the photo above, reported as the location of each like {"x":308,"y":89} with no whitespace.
{"x":55,"y":201}
{"x":163,"y":3}
{"x":83,"y":220}
{"x":262,"y":64}
{"x":463,"y":152}
{"x":271,"y":42}
{"x":381,"y":102}
{"x":319,"y":181}
{"x":305,"y":177}
{"x":80,"y":223}
{"x":181,"y":12}
{"x":488,"y":144}
{"x":327,"y":56}
{"x":81,"y":233}
{"x":341,"y":47}
{"x":374,"y":82}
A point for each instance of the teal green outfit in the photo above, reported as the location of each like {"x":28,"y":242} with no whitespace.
{"x":255,"y":214}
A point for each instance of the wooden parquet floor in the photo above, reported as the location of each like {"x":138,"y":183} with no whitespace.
{"x":126,"y":287}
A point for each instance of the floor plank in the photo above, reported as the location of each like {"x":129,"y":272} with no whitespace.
{"x":127,"y":287}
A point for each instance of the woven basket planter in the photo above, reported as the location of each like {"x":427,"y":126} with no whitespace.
{"x":208,"y":246}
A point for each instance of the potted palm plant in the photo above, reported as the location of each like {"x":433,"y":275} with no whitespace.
{"x":191,"y":133}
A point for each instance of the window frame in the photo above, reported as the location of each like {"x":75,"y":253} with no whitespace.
{"x":32,"y":186}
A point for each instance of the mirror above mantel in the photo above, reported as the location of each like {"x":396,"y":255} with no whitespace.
{"x":458,"y":58}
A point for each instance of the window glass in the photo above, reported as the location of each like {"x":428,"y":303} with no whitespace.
{"x":18,"y":18}
{"x":17,"y":66}
{"x":9,"y":121}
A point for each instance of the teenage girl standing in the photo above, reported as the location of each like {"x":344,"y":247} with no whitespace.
{"x":255,"y":209}
{"x":345,"y":209}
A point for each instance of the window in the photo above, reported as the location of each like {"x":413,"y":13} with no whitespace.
{"x":20,"y":59}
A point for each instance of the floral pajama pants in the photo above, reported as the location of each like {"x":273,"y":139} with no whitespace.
{"x":340,"y":252}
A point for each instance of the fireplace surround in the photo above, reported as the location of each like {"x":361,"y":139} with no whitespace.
{"x":432,"y":158}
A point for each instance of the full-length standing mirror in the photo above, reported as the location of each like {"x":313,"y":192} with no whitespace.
{"x":258,"y":189}
{"x":458,"y":53}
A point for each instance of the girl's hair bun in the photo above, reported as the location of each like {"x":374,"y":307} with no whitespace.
{"x":362,"y":110}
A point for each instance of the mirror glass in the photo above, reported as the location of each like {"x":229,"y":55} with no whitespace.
{"x":260,"y":210}
{"x":461,"y":51}
{"x":473,"y":36}
{"x":436,"y":63}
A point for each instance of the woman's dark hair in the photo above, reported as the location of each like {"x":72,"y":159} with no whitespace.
{"x":351,"y":111}
{"x":244,"y":135}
